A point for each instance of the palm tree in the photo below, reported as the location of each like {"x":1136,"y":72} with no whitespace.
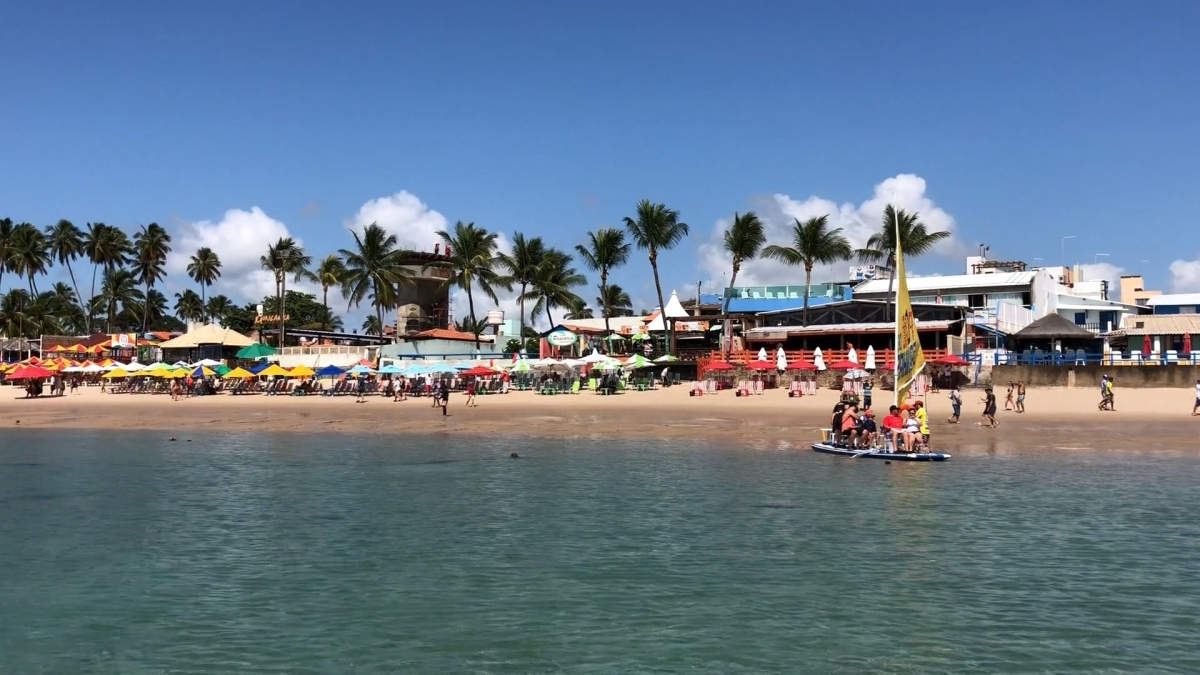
{"x":106,"y":246}
{"x":12,"y":312}
{"x":742,"y":241}
{"x":217,"y":307}
{"x":522,"y":265}
{"x":28,"y":254}
{"x":41,"y":315}
{"x":580,"y":312}
{"x":66,"y":244}
{"x":812,"y":243}
{"x":6,"y":231}
{"x":553,"y":283}
{"x":119,"y":287}
{"x":330,"y":272}
{"x":472,"y":251}
{"x":616,"y":300}
{"x":154,"y":307}
{"x":204,"y":268}
{"x":606,"y":249}
{"x":372,"y":325}
{"x":151,"y":244}
{"x":188,"y":306}
{"x":915,"y":240}
{"x":374,"y":268}
{"x":655,"y":229}
{"x":285,"y":257}
{"x":67,"y":307}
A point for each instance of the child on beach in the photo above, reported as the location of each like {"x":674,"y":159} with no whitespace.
{"x":1008,"y":399}
{"x":955,"y":403}
{"x":989,"y":408}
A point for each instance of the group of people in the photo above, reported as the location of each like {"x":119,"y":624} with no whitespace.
{"x":1017,"y":405}
{"x":1107,"y":401}
{"x":904,"y":429}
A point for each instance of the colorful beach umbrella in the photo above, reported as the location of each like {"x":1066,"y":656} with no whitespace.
{"x":115,"y":373}
{"x":329,"y":371}
{"x":637,"y":361}
{"x":237,"y":374}
{"x":760,"y":364}
{"x":256,"y":350}
{"x":478,"y":371}
{"x":28,"y":373}
{"x":666,"y":358}
{"x":719,"y":365}
{"x":360,"y":369}
{"x":302,"y":371}
{"x":273,"y":369}
{"x":203,"y":371}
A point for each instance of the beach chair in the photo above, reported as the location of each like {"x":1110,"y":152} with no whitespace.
{"x":794,"y":389}
{"x":575,"y":387}
{"x":759,"y":386}
{"x":1172,"y":356}
{"x":1135,"y":357}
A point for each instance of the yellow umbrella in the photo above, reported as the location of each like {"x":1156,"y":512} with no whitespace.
{"x":116,"y":372}
{"x":237,"y":374}
{"x":272,"y":369}
{"x":158,"y":372}
{"x":178,"y":374}
{"x":302,"y":371}
{"x":206,"y":371}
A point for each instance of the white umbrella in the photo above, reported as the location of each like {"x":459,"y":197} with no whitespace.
{"x":780,"y":359}
{"x":94,"y":368}
{"x":762,"y":353}
{"x":73,"y":369}
{"x":207,"y":362}
{"x":870,"y":364}
{"x":536,"y":363}
{"x":595,"y":357}
{"x":852,"y":355}
{"x":133,"y":367}
{"x":574,"y":363}
{"x":818,"y":360}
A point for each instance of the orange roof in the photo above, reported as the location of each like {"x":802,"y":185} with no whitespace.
{"x":442,"y":334}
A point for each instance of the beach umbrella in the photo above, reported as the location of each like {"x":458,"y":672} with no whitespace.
{"x":360,"y":369}
{"x":844,"y":364}
{"x":852,"y":355}
{"x":818,"y":359}
{"x":595,"y":357}
{"x":1145,"y":345}
{"x":181,"y":364}
{"x":391,"y":369}
{"x":78,"y":348}
{"x":203,"y":371}
{"x":667,"y":358}
{"x":60,"y":349}
{"x":159,"y":365}
{"x":255,"y":350}
{"x":302,"y":371}
{"x":952,"y":360}
{"x":719,"y":365}
{"x":273,"y":369}
{"x":237,"y":374}
{"x":329,"y":371}
{"x":574,"y":363}
{"x":156,"y":372}
{"x":97,"y":348}
{"x":221,"y":369}
{"x":28,"y":373}
{"x":855,"y":374}
{"x":73,"y":369}
{"x":758,"y":364}
{"x":93,"y":368}
{"x":211,"y":363}
{"x":613,"y":337}
{"x":1187,"y":344}
{"x":114,"y":373}
{"x":415,"y":369}
{"x":801,"y":364}
{"x":255,"y":368}
{"x":762,"y":353}
{"x":521,"y":366}
{"x":637,"y":361}
{"x":133,"y":367}
{"x":478,"y":371}
{"x":441,"y":367}
{"x":780,"y":358}
{"x":178,"y":374}
{"x":870,"y":363}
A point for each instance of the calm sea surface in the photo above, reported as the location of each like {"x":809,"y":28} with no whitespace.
{"x":123,"y":552}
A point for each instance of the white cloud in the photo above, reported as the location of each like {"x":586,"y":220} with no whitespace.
{"x":1185,"y":275}
{"x":239,"y":239}
{"x":858,"y":222}
{"x":1106,"y":271}
{"x":404,"y":215}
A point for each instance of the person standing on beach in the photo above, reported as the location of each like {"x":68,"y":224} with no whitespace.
{"x":361,"y":390}
{"x":1008,"y":399}
{"x":445,"y":397}
{"x":955,"y":404}
{"x":989,"y":408}
{"x":1196,"y":406}
{"x":1020,"y":396}
{"x":867,"y":388}
{"x":1103,"y":392}
{"x":471,"y":394}
{"x":1109,"y":398}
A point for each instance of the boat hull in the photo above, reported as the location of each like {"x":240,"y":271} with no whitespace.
{"x":882,"y":454}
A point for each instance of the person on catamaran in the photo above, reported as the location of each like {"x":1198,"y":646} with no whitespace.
{"x":868,"y":433}
{"x":892,"y":423}
{"x":850,"y":425}
{"x":835,"y":427}
{"x":912,"y":430}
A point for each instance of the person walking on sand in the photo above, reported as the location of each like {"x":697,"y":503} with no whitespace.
{"x":1196,"y":406}
{"x":955,"y":404}
{"x":471,"y":394}
{"x":1103,"y":393}
{"x":1020,"y":396}
{"x":361,"y":390}
{"x":1008,"y":398}
{"x":445,"y":397}
{"x":989,"y":408}
{"x":1109,"y":397}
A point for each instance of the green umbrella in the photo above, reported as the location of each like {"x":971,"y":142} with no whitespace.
{"x":220,"y":369}
{"x":613,"y":337}
{"x":666,"y":358}
{"x":254,"y":351}
{"x":521,"y":366}
{"x":637,"y":361}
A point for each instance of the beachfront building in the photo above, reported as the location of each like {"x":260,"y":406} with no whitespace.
{"x":1157,"y":338}
{"x":425,"y":302}
{"x":441,"y":343}
{"x":207,"y":341}
{"x":750,"y":300}
{"x":1133,"y":291}
{"x":861,"y":323}
{"x":1175,"y":303}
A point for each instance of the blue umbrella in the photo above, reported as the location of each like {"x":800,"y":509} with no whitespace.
{"x":330,"y":371}
{"x":360,"y":370}
{"x":442,"y":367}
{"x":415,"y":369}
{"x":260,"y":366}
{"x":391,"y":369}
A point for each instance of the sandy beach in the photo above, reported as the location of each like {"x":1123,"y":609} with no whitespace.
{"x":1146,"y":419}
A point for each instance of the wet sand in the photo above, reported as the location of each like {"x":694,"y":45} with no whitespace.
{"x":1056,"y":418}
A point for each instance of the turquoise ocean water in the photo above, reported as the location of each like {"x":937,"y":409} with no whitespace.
{"x":123,"y":552}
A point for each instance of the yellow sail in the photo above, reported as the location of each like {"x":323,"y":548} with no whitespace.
{"x":909,"y":357}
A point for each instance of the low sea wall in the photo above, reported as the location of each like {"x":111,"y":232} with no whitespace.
{"x":1089,"y":376}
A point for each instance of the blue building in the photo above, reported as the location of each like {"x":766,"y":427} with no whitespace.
{"x":1175,"y":303}
{"x":755,"y":299}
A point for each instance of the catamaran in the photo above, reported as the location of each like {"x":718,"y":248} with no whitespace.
{"x":909,"y":362}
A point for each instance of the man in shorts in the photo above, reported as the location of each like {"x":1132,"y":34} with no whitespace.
{"x":892,"y":423}
{"x":1196,"y":407}
{"x":989,"y":408}
{"x":955,"y":404}
{"x":868,"y":433}
{"x":1020,"y":396}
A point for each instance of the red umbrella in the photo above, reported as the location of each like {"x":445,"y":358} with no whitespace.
{"x":1187,"y":344}
{"x":760,"y":365}
{"x":1145,"y":345}
{"x":478,"y":371}
{"x":28,"y":372}
{"x":719,"y":365}
{"x":844,"y":364}
{"x":952,"y":360}
{"x":799,"y":364}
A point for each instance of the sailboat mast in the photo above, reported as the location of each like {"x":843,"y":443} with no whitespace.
{"x":896,"y":318}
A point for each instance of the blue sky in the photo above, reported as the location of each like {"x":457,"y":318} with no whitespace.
{"x":1013,"y":124}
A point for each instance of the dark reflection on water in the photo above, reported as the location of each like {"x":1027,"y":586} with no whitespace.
{"x":245,"y":552}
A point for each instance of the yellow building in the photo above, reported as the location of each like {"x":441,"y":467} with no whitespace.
{"x":1132,"y":291}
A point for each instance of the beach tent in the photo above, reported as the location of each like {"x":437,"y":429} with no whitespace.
{"x":273,"y":369}
{"x":237,"y":374}
{"x":870,"y":362}
{"x":28,"y":373}
{"x":115,"y":373}
{"x":329,"y":371}
{"x":302,"y":371}
{"x":256,"y":350}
